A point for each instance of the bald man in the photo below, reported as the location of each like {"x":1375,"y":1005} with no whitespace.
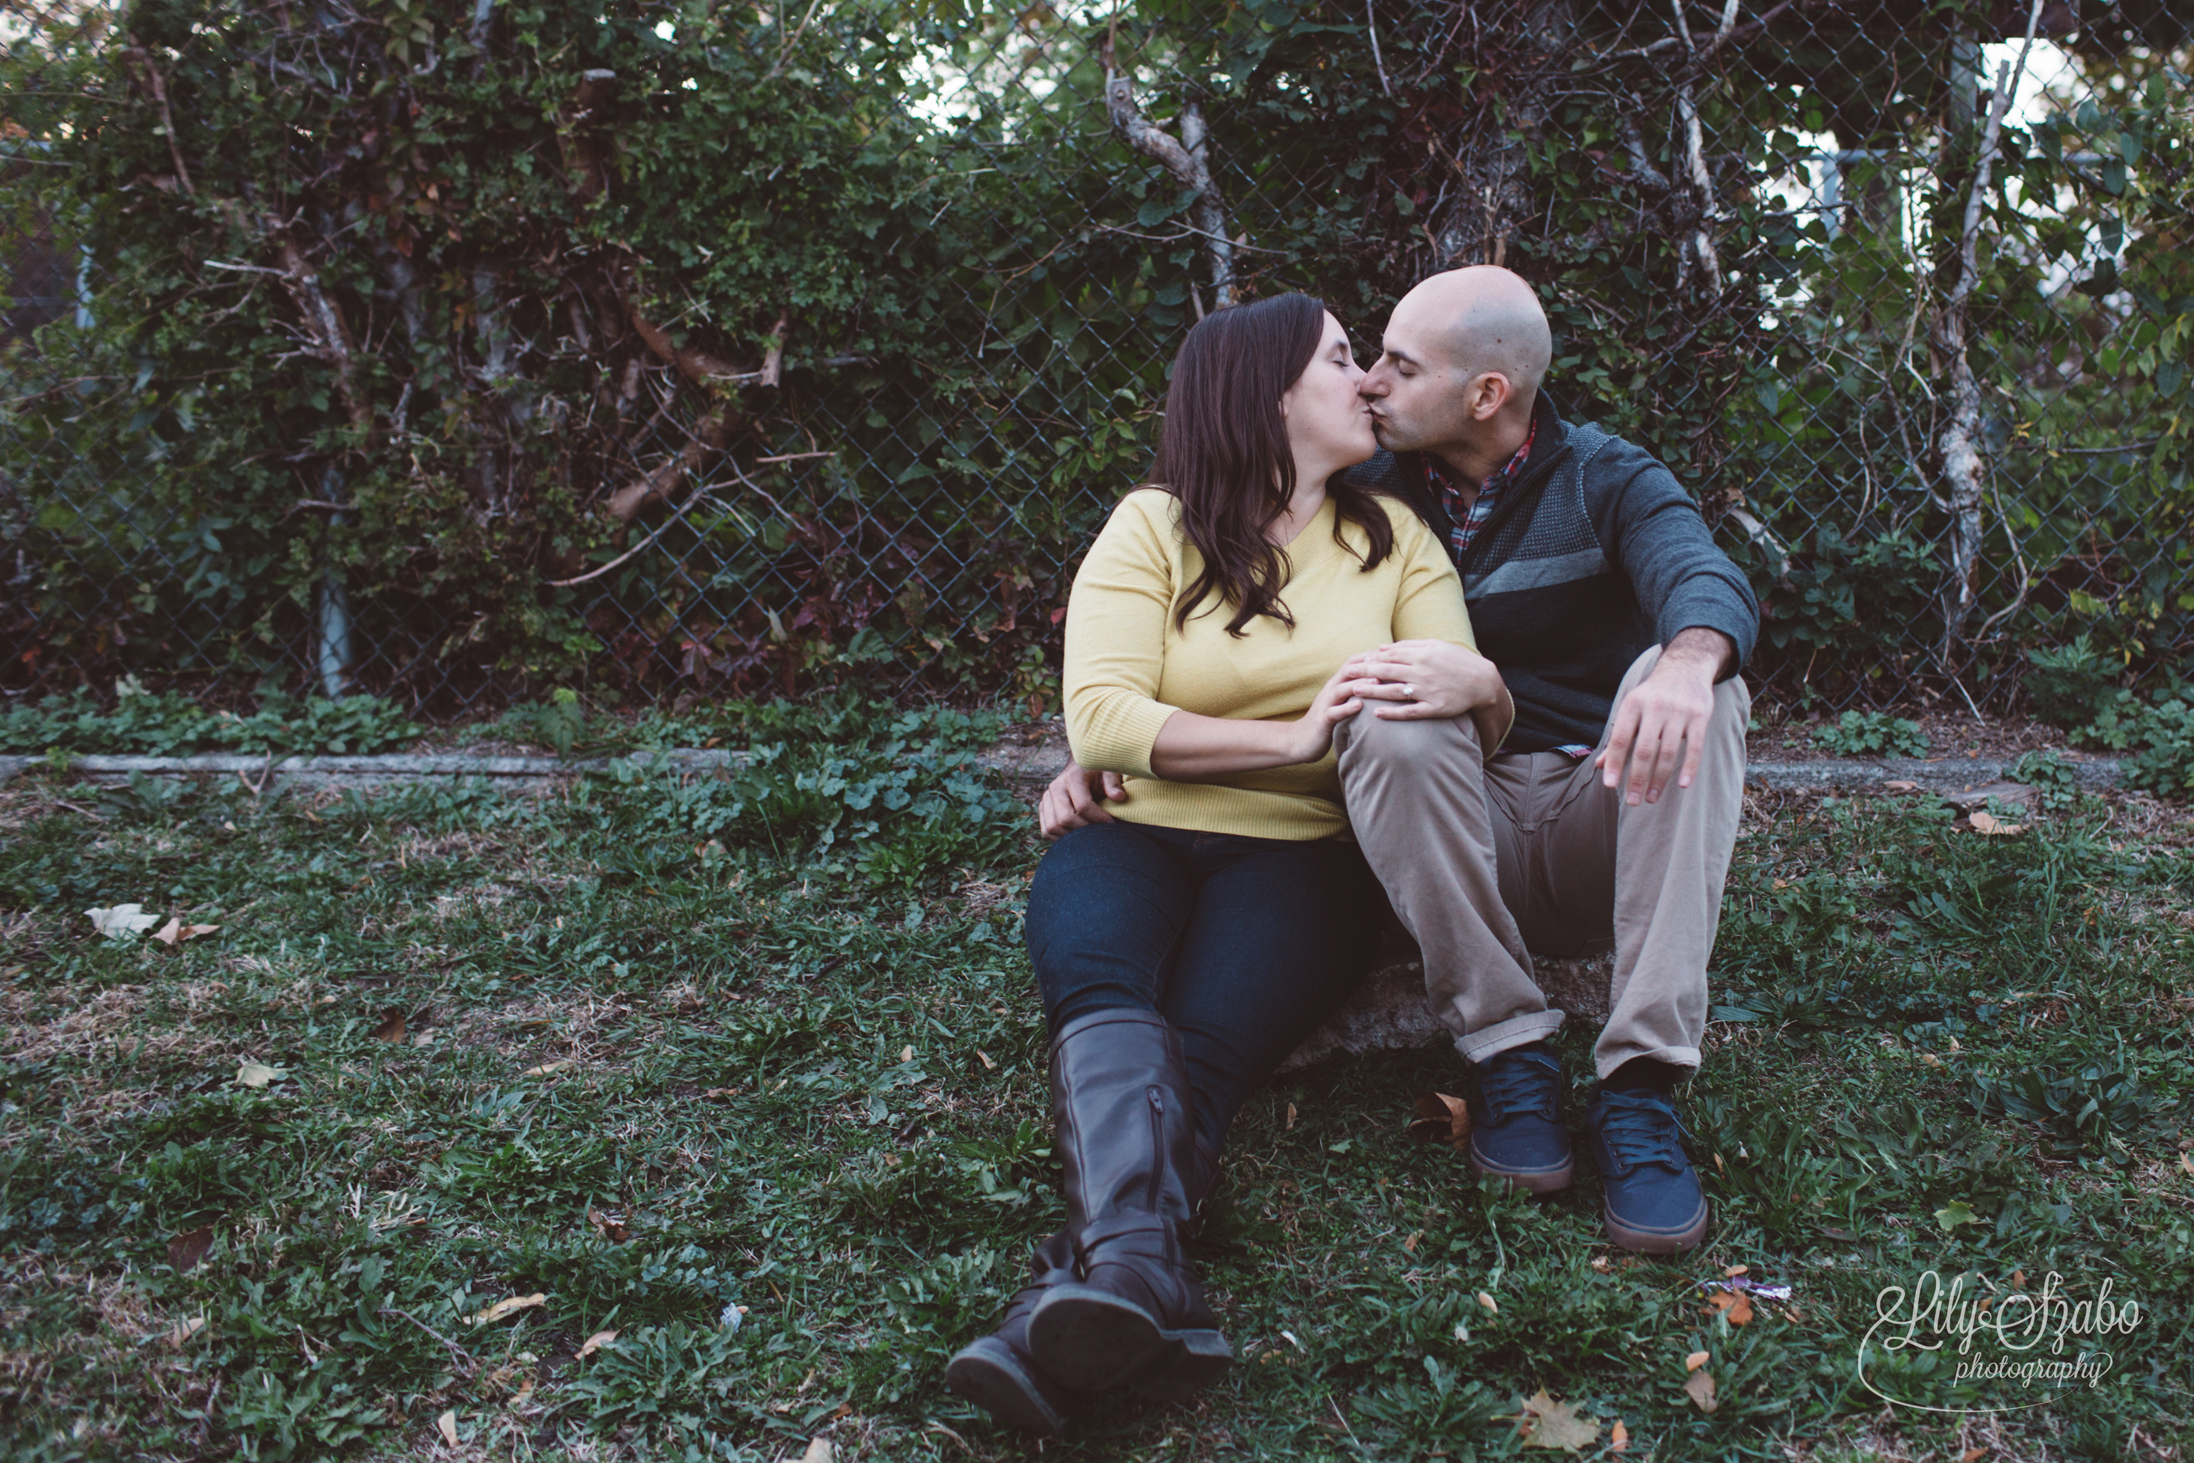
{"x":1607,"y":817}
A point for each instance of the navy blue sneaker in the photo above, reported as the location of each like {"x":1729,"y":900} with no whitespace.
{"x":1654,"y":1204}
{"x":1516,"y":1124}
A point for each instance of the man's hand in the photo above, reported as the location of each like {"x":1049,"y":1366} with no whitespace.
{"x":1664,"y":717}
{"x":1423,"y":679}
{"x":1073,"y":799}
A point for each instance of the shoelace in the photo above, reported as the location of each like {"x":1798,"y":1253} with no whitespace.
{"x":1640,"y":1128}
{"x":1519,"y":1086}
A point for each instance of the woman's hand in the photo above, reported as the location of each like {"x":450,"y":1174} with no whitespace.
{"x":1421,"y":679}
{"x":1339,"y":699}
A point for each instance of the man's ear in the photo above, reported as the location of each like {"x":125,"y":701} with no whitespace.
{"x":1488,"y":394}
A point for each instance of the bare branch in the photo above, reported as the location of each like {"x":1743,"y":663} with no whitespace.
{"x":1186,"y":159}
{"x":1965,"y":472}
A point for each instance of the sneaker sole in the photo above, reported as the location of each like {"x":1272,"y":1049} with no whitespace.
{"x":1530,"y":1180}
{"x":1655,"y":1241}
{"x":987,"y":1373}
{"x":1092,"y":1340}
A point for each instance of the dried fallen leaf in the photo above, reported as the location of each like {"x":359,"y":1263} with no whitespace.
{"x":1694,"y":1361}
{"x":984,"y":1058}
{"x":1733,"y":1271}
{"x":1441,"y":1118}
{"x":447,"y":1425}
{"x":819,"y":1451}
{"x":170,"y":932}
{"x":1487,"y":1301}
{"x":258,"y":1074}
{"x":609,"y":1225}
{"x":509,"y":1305}
{"x":595,"y":1343}
{"x":1618,"y":1438}
{"x":182,"y":1331}
{"x":1410,"y":1244}
{"x":1551,"y":1424}
{"x":391,"y":1028}
{"x":1972,"y":1455}
{"x":1603,"y":1264}
{"x":1699,"y":1386}
{"x":2186,"y":1162}
{"x":545,"y":1068}
{"x":721,"y":1092}
{"x":122,"y":921}
{"x":1733,"y":1303}
{"x":906,"y":1054}
{"x":1291,"y":1119}
{"x":1988,"y":823}
{"x":189,"y":1247}
{"x":1902,"y":786}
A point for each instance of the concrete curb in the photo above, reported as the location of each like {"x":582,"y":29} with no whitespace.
{"x":1034,"y":765}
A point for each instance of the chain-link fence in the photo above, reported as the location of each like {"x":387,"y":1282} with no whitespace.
{"x":451,"y":351}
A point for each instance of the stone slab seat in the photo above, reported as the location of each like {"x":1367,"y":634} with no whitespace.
{"x":1388,"y":1013}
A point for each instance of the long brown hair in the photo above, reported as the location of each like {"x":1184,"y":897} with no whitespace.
{"x":1223,"y":452}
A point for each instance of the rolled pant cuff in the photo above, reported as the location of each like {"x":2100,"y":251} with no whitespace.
{"x":1686,"y":1057}
{"x":1514,"y":1032}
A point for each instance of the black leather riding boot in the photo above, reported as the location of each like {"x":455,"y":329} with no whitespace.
{"x":1127,"y":1142}
{"x":997,"y":1373}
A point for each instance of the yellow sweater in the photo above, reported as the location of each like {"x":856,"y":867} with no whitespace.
{"x":1128,"y":668}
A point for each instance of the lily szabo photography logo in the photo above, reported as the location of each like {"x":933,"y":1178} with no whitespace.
{"x":1966,"y":1345}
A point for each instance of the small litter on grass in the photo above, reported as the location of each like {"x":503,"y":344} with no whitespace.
{"x":182,"y":1331}
{"x":257,"y":1074}
{"x":1440,"y":1118}
{"x":1758,"y":1290}
{"x":122,"y":921}
{"x":1700,"y":1389}
{"x":446,"y":1424}
{"x":596,"y":1342}
{"x":1547,"y":1423}
{"x":1694,"y":1361}
{"x":1988,"y":823}
{"x":609,"y":1224}
{"x":509,"y":1305}
{"x":732,"y":1317}
{"x":175,"y":931}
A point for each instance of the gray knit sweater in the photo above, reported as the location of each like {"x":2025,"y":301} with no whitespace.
{"x":1593,"y":553}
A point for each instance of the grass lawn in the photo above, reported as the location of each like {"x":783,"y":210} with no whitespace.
{"x":658,"y":1052}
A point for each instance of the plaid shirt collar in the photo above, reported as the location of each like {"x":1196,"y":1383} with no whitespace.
{"x":1468,"y":519}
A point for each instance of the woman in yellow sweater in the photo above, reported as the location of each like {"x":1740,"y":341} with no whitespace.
{"x":1186,"y":945}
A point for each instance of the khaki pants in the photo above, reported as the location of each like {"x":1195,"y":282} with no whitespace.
{"x":1485,"y":863}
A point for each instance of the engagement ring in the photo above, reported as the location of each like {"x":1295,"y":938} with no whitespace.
{"x":1409,"y":692}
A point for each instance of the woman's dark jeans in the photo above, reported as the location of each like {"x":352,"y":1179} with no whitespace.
{"x":1243,"y":944}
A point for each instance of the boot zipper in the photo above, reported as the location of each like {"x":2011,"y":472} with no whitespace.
{"x":1157,"y":1144}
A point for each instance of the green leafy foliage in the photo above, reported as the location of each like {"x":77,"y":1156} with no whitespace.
{"x":864,"y":316}
{"x":1871,"y":734}
{"x":169,"y":724}
{"x":2070,"y":684}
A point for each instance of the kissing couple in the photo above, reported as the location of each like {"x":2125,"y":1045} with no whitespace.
{"x":1285,"y":721}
